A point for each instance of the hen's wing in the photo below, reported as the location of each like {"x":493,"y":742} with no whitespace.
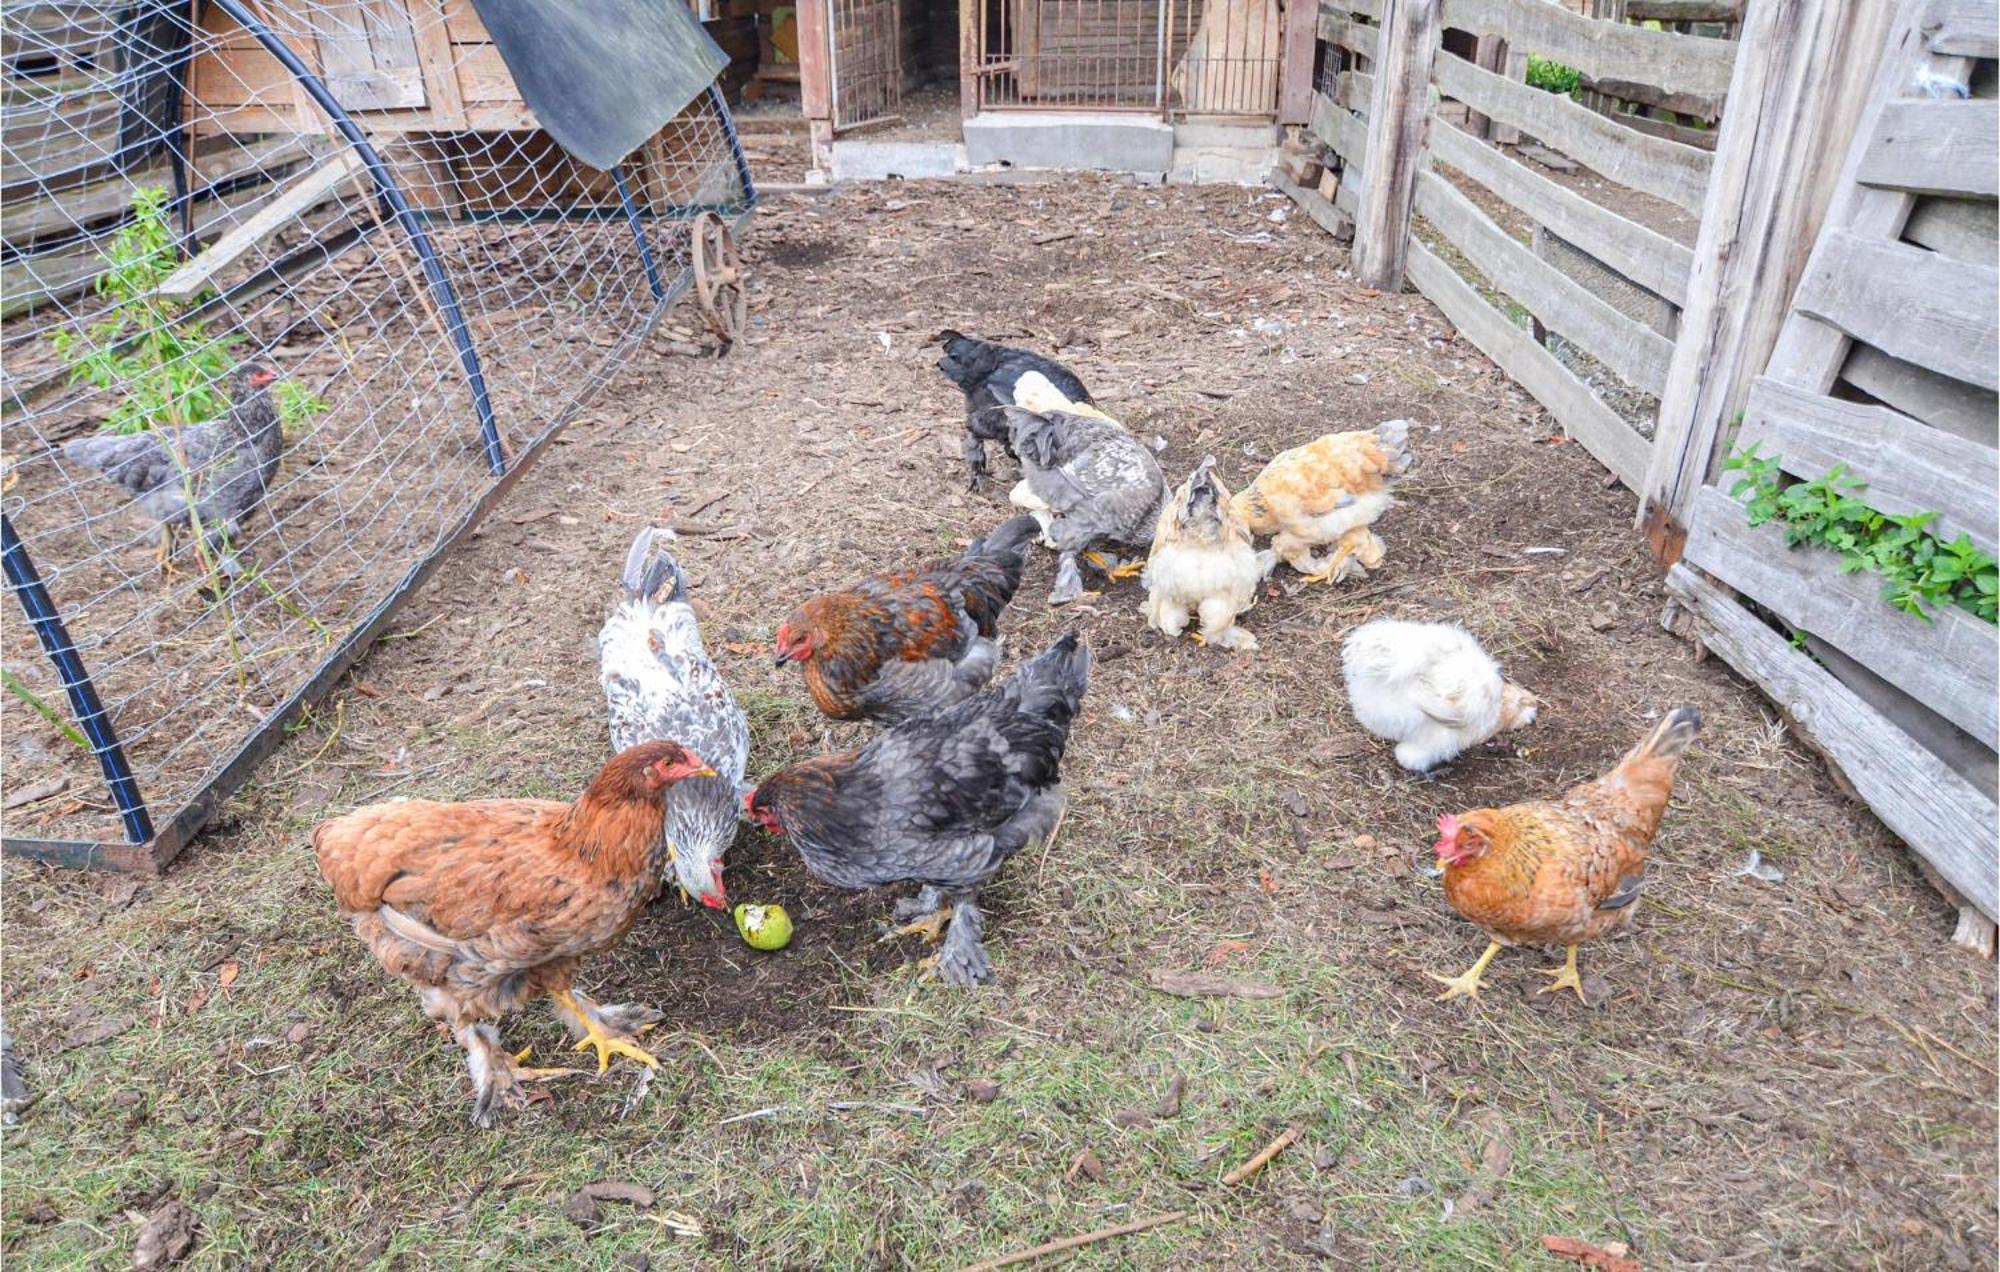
{"x":1092,"y":473}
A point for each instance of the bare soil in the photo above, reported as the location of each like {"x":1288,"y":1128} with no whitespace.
{"x":1768,"y":1074}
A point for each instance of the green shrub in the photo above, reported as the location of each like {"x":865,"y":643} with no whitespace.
{"x":1552,"y":76}
{"x":1922,"y":570}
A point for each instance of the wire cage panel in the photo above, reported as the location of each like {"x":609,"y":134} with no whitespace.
{"x":867,"y":63}
{"x":435,"y":303}
{"x":1182,"y":57}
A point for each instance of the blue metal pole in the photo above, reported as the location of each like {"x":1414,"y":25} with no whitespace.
{"x":638,"y":232}
{"x":468,"y":357}
{"x":25,"y":583}
{"x":735,"y":143}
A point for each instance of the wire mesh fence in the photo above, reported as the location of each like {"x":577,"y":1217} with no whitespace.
{"x":354,"y":200}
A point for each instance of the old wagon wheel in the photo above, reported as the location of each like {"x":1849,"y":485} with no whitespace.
{"x":718,"y":277}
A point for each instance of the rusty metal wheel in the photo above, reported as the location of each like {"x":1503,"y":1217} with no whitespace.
{"x":718,"y":277}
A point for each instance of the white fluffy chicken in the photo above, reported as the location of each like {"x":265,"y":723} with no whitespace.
{"x":1203,"y":561}
{"x":659,"y":685}
{"x":1430,"y":689}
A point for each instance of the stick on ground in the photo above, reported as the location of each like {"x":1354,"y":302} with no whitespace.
{"x":1072,"y":1243}
{"x":1258,"y":1162}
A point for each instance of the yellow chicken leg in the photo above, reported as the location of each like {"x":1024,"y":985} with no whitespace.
{"x":1128,"y":570}
{"x":595,"y":1034}
{"x":165,"y":555}
{"x":1566,"y":978}
{"x":1466,"y":985}
{"x":931,"y":927}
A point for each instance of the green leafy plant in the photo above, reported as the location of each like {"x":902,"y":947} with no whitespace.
{"x":43,"y":709}
{"x":1552,"y":76}
{"x":296,"y":405}
{"x":165,"y":368}
{"x":1922,"y":571}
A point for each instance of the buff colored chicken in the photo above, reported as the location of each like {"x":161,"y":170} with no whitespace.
{"x":1203,"y":561}
{"x":1562,"y":872}
{"x":1329,"y":492}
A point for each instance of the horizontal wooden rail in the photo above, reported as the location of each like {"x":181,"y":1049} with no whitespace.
{"x":1947,"y":664}
{"x":1936,"y":312}
{"x":1909,"y":466}
{"x":1963,"y":228}
{"x":1346,"y":135}
{"x":1668,"y":169}
{"x":1917,"y":796}
{"x":1695,"y":65}
{"x":1962,"y":28}
{"x":1638,"y":354}
{"x":1615,"y":443}
{"x":1939,"y":401}
{"x":1342,"y":31}
{"x":1645,"y":256}
{"x":1935,"y":147}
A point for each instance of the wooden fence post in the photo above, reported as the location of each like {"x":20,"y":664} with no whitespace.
{"x":1397,"y":110}
{"x":1801,"y":81}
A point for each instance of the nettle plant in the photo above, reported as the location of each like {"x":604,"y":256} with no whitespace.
{"x":1922,"y":571}
{"x":165,"y":369}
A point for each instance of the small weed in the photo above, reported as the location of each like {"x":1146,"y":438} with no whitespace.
{"x":1552,"y":76}
{"x":43,"y":709}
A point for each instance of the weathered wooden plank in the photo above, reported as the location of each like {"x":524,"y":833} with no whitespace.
{"x":1638,"y":354}
{"x":1691,"y":64}
{"x":1962,"y":28}
{"x":1676,"y":173}
{"x":1369,"y":9}
{"x":1340,"y":130}
{"x":1707,"y":109}
{"x":1947,"y":664}
{"x":1909,"y":466}
{"x":1933,"y":810}
{"x":1610,"y":439}
{"x":31,"y":218}
{"x":1295,"y":77}
{"x":1647,"y":257}
{"x":1956,"y":407}
{"x":1327,"y":216}
{"x":1965,"y":229}
{"x":1935,"y":147}
{"x":1684,"y":10}
{"x":1911,"y":304}
{"x":1396,"y":114}
{"x":1338,"y":28}
{"x":307,"y":192}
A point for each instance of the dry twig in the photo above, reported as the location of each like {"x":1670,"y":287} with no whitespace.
{"x":1263,"y":1158}
{"x":1072,"y":1243}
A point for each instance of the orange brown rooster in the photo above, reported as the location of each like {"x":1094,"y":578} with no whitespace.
{"x":487,"y":906}
{"x":1562,"y":873}
{"x":910,"y":642}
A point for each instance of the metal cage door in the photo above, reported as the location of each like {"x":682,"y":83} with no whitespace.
{"x":865,"y":54}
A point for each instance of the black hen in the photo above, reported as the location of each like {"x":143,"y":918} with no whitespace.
{"x":989,"y":375}
{"x":226,"y":464}
{"x":942,"y":801}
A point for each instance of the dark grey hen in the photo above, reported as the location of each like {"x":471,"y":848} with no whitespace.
{"x":943,"y":801}
{"x":220,"y":468}
{"x":990,"y":375}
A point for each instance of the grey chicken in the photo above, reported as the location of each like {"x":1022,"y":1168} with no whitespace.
{"x":226,"y":465}
{"x":1088,"y":481}
{"x":993,"y":376}
{"x":943,"y":801}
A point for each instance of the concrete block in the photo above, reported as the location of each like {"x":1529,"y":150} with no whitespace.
{"x":1090,"y":143}
{"x":1202,"y":134}
{"x":1203,"y":165}
{"x":880,"y":160}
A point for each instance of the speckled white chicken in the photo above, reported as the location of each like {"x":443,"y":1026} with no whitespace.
{"x":659,"y":685}
{"x":1203,"y":563}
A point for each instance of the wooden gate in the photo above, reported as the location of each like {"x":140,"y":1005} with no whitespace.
{"x":865,"y":55}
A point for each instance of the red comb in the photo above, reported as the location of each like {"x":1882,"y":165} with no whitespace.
{"x":1448,"y":825}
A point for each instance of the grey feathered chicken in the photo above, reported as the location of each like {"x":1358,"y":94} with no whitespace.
{"x":993,"y":376}
{"x":225,"y":464}
{"x":942,"y":801}
{"x":1088,"y":481}
{"x":660,"y":686}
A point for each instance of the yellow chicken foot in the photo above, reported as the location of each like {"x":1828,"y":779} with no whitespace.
{"x":1566,"y":978}
{"x":595,"y":1035}
{"x":931,"y":927}
{"x":1467,"y":985}
{"x":165,"y":555}
{"x":1128,"y":570}
{"x":538,"y":1075}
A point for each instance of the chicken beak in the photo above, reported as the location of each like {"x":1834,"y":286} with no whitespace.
{"x":704,"y":771}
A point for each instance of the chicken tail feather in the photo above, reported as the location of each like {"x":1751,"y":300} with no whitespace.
{"x":1053,"y":683}
{"x":646,"y":571}
{"x":1672,"y":736}
{"x":1394,"y":439}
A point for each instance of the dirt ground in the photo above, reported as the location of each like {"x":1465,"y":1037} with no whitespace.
{"x":1789,"y":1073}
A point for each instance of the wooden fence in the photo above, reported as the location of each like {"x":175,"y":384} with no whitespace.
{"x":1885,"y":358}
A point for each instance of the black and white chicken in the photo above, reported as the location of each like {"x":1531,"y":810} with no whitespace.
{"x":659,"y":685}
{"x":1088,"y":481}
{"x":993,"y":376}
{"x":943,"y":801}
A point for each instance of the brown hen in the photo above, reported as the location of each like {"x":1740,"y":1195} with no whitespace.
{"x":489,"y":905}
{"x":1562,"y":873}
{"x":1328,"y":491}
{"x":911,"y":642}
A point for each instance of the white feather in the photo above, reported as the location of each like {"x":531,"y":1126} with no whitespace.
{"x":1428,"y":687}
